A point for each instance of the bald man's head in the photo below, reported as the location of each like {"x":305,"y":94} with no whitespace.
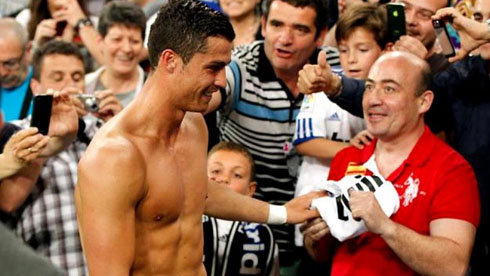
{"x":9,"y":28}
{"x":411,"y":65}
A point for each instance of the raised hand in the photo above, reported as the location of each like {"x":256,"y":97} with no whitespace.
{"x":318,"y":77}
{"x":109,"y":104}
{"x":472,"y":33}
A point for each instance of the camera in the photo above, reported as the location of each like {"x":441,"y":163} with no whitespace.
{"x":90,"y":102}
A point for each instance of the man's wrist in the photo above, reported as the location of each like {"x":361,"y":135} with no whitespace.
{"x":277,"y":214}
{"x":337,"y":88}
{"x":82,"y":22}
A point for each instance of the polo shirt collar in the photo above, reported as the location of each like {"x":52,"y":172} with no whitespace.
{"x":417,"y":157}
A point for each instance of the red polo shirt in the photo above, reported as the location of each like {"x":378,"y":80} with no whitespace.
{"x":433,"y":182}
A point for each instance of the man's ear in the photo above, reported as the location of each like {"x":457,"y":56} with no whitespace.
{"x":321,"y":37}
{"x":169,"y":60}
{"x":35,"y":87}
{"x":263,"y":23}
{"x":425,"y":101}
{"x":251,"y":188}
{"x":28,"y":52}
{"x":388,"y":47}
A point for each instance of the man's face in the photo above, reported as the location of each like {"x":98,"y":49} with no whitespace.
{"x":60,"y":71}
{"x":358,"y":52}
{"x":390,"y":106}
{"x":13,"y":62}
{"x":418,"y":19}
{"x":482,"y":14}
{"x":122,"y":47}
{"x":231,"y":169}
{"x":289,"y":34}
{"x":204,"y":74}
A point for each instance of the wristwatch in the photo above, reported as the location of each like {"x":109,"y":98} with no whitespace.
{"x":82,"y":23}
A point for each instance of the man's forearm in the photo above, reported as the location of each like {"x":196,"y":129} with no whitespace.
{"x":350,"y":96}
{"x":427,"y":255}
{"x":225,"y":203}
{"x":322,"y":250}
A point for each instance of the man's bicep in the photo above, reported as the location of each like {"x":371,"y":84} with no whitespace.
{"x":107,"y":196}
{"x":458,"y":231}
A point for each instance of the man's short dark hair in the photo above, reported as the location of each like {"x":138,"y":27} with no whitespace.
{"x":127,"y":14}
{"x":368,"y":16}
{"x":184,"y":26}
{"x":53,"y":47}
{"x":320,"y":7}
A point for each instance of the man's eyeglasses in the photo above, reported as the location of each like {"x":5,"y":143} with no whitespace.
{"x":12,"y":63}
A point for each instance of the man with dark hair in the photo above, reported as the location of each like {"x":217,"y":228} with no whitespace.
{"x":142,"y":186}
{"x":432,"y":232}
{"x":258,"y":109}
{"x":15,"y":72}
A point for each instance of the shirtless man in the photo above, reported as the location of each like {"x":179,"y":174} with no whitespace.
{"x":142,"y":185}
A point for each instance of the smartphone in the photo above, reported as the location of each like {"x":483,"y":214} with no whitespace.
{"x":396,"y":21}
{"x":447,"y":36}
{"x":60,"y":27}
{"x":41,"y":113}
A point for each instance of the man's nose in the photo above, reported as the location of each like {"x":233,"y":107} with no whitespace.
{"x":220,"y":80}
{"x":286,"y":36}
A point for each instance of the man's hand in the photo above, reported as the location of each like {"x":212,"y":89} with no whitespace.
{"x":314,"y":229}
{"x":22,"y":148}
{"x":366,"y":207}
{"x":411,"y":45}
{"x":472,"y":33}
{"x":64,"y":119}
{"x":361,"y":139}
{"x":109,"y":105}
{"x":71,"y":12}
{"x":298,"y":208}
{"x":319,"y":77}
{"x":45,"y":30}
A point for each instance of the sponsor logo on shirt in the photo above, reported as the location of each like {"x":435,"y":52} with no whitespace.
{"x":334,"y":117}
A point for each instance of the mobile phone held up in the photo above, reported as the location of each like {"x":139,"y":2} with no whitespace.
{"x":396,"y":21}
{"x":41,"y":113}
{"x":60,"y":27}
{"x":447,"y":36}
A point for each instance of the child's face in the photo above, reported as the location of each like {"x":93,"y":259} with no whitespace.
{"x":358,"y":52}
{"x":231,"y":169}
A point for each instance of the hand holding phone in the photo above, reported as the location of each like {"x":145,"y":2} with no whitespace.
{"x":41,"y":113}
{"x":447,"y":36}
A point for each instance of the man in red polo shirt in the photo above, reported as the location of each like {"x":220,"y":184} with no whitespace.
{"x":434,"y":228}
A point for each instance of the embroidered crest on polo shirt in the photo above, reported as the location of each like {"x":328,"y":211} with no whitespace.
{"x":411,"y":190}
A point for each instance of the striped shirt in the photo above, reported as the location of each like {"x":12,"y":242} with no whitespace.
{"x":259,"y":112}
